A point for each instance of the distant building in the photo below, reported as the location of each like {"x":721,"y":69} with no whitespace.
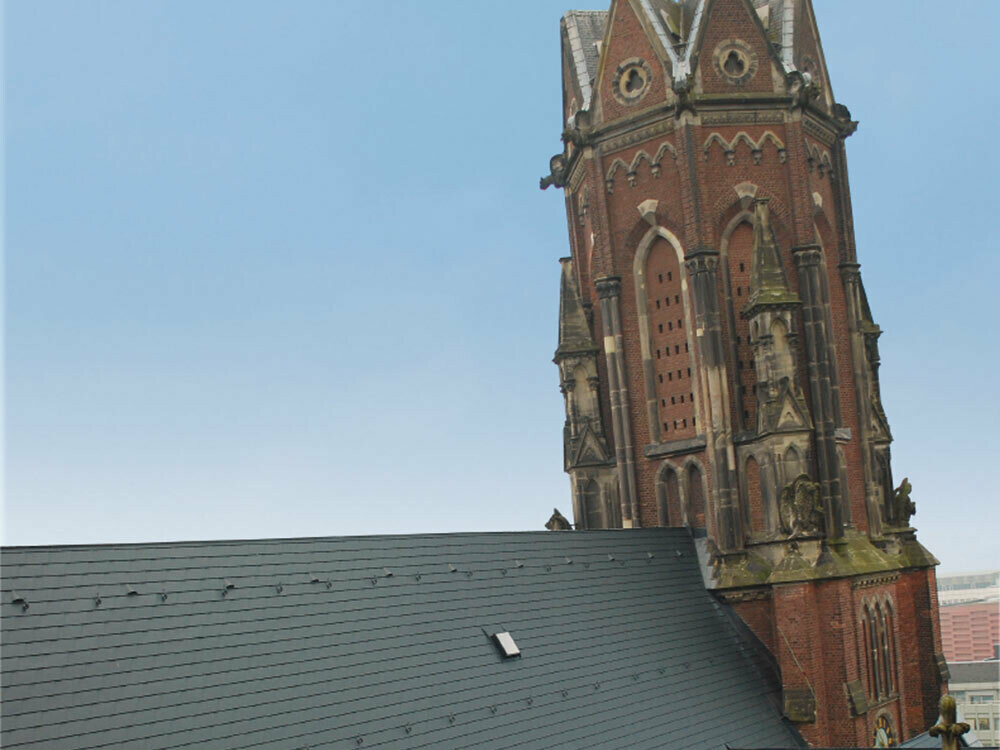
{"x":969,"y":587}
{"x":970,"y":632}
{"x":976,"y":689}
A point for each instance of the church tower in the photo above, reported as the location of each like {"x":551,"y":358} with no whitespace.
{"x":717,"y":354}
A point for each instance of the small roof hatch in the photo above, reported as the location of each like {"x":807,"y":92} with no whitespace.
{"x":506,"y":644}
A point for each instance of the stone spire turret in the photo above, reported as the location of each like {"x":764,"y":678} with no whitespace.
{"x":768,"y":282}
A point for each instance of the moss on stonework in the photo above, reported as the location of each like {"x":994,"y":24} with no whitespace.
{"x":853,"y":555}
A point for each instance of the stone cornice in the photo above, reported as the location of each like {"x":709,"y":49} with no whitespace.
{"x":876,"y":579}
{"x":675,"y":447}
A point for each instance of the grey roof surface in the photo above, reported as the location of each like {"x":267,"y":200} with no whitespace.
{"x":584,"y":29}
{"x":376,"y":642}
{"x":974,"y":671}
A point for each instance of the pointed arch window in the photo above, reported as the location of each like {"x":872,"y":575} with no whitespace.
{"x":668,"y":333}
{"x":668,"y":491}
{"x":880,"y":662}
{"x":695,"y":495}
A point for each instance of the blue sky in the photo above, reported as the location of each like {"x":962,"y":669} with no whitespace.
{"x":282,"y":269}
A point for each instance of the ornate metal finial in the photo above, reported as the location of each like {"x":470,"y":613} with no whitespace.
{"x":947,"y":728}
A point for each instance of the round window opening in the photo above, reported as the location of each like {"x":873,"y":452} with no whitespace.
{"x":735,"y":61}
{"x":735,"y":65}
{"x":631,"y":81}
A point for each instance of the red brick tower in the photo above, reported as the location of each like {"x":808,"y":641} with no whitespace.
{"x":717,"y":353}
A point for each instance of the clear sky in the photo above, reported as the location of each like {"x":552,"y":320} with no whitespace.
{"x":283,"y":269}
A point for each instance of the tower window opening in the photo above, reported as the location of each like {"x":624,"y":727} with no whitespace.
{"x":742,"y":268}
{"x":661,"y":378}
{"x":670,"y":275}
{"x":689,"y":372}
{"x":686,"y":347}
{"x":684,"y":422}
{"x":694,"y":421}
{"x":663,"y":402}
{"x":658,"y":354}
{"x":670,"y":326}
{"x":660,"y":327}
{"x":665,"y":428}
{"x":679,"y":323}
{"x":667,"y":300}
{"x":657,"y":304}
{"x":677,"y":298}
{"x":673,"y":399}
{"x":682,"y":398}
{"x":661,"y":277}
{"x":691,"y":396}
{"x":739,"y":291}
{"x":670,"y":376}
{"x":668,"y":351}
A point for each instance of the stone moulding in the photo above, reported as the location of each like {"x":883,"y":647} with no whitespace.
{"x":743,"y":117}
{"x":878,"y":579}
{"x":745,"y":595}
{"x":675,"y":447}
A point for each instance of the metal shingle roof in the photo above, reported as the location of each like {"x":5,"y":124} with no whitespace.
{"x":311,"y":643}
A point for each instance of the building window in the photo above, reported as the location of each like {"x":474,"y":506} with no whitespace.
{"x":667,"y":336}
{"x":980,"y":699}
{"x":880,"y":658}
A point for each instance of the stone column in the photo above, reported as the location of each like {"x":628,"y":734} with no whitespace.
{"x":609,"y":292}
{"x":851,"y":277}
{"x":809,"y":259}
{"x":702,"y":266}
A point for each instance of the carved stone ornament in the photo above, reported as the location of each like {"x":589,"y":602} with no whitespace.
{"x":800,"y":705}
{"x":903,"y":508}
{"x":735,"y":61}
{"x":557,"y":173}
{"x":558,"y":522}
{"x":801,"y":509}
{"x":948,"y":729}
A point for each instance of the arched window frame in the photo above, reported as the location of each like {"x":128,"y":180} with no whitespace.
{"x":645,"y":328}
{"x":690,"y":464}
{"x":665,"y":517}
